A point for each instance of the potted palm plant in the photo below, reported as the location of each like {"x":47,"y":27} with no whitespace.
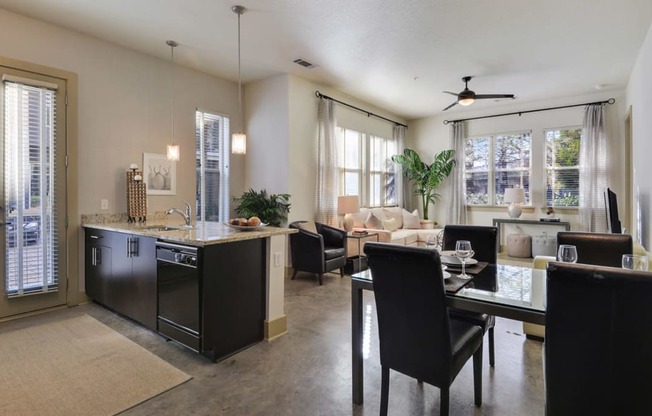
{"x":426,"y":177}
{"x":271,"y":209}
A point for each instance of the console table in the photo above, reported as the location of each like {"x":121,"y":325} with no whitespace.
{"x":498,"y":223}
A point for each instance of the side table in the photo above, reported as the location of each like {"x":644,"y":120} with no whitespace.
{"x":360,"y":237}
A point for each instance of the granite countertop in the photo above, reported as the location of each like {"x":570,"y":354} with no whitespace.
{"x":202,"y":234}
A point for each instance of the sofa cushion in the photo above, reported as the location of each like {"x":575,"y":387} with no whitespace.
{"x":373,"y":221}
{"x":404,"y":237}
{"x":396,"y":214}
{"x":390,"y":224}
{"x":360,"y":217}
{"x":411,"y":219}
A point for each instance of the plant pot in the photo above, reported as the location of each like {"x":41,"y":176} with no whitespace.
{"x":427,"y":224}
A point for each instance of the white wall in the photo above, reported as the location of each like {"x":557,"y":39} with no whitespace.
{"x":267,"y":135}
{"x":287,"y":161}
{"x":639,"y":97}
{"x":429,"y":136}
{"x":124,"y":108}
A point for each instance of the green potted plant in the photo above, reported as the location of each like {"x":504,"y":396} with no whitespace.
{"x":426,"y":178}
{"x":271,"y":209}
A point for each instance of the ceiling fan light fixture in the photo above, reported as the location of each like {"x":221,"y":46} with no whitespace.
{"x":466,"y":101}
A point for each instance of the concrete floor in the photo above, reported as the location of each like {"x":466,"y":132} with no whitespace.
{"x":308,"y":371}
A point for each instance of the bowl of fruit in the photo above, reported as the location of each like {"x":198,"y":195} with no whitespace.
{"x":246,"y":224}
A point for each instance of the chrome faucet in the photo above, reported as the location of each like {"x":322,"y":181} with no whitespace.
{"x":187,"y":215}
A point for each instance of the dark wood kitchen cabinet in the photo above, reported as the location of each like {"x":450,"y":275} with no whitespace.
{"x":121,"y":273}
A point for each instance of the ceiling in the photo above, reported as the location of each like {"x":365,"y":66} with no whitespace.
{"x":397,"y":54}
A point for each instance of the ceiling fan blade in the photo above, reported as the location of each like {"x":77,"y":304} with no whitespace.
{"x":451,"y":93}
{"x":455,"y":103}
{"x":486,"y":96}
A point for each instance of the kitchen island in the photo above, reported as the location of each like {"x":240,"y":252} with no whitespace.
{"x":240,"y":289}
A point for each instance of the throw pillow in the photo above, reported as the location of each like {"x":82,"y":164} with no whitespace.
{"x":390,"y":225}
{"x":308,"y":226}
{"x":411,"y":220}
{"x":394,"y":212}
{"x":372,"y":221}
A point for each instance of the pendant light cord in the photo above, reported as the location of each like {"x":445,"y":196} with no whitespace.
{"x":172,"y":94}
{"x":239,"y":74}
{"x":172,"y":44}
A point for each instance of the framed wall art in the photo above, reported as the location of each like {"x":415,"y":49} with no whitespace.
{"x":159,"y":174}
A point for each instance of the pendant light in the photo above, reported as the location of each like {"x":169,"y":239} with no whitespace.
{"x":239,"y":139}
{"x":173,"y":149}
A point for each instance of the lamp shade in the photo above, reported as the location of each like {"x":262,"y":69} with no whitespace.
{"x":515,"y":195}
{"x":347,"y":204}
{"x":239,"y":144}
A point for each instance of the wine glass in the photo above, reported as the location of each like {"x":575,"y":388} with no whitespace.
{"x":635,"y":262}
{"x":431,"y":241}
{"x":463,"y":252}
{"x":567,"y":253}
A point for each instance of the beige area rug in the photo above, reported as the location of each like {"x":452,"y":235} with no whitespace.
{"x":78,"y":366}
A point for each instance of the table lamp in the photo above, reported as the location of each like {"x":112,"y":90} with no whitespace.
{"x":514,"y":196}
{"x":347,"y":205}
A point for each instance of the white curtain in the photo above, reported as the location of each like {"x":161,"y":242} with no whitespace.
{"x":457,"y":195}
{"x":403,"y":191}
{"x":593,"y":169}
{"x":327,"y":173}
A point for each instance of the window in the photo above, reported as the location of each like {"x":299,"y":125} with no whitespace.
{"x":563,"y":167}
{"x":493,"y":163}
{"x":366,"y":168}
{"x":212,"y":162}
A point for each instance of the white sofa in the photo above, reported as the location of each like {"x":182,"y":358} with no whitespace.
{"x":393,"y":225}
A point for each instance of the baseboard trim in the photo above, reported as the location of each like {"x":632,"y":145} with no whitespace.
{"x":276,"y":328}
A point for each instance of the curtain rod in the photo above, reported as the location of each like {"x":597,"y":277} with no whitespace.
{"x":368,"y":113}
{"x":519,"y":113}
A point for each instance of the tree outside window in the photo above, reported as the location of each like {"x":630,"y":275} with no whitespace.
{"x":563,"y":167}
{"x":494,"y":163}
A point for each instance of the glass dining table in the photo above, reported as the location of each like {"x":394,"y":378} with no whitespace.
{"x":511,"y":292}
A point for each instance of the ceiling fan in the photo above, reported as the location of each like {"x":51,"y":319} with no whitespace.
{"x":468,"y":97}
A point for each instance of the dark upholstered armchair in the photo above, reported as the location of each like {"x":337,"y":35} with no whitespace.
{"x":598,"y":348}
{"x":317,"y":248}
{"x":485,"y":245}
{"x":417,"y":336}
{"x":600,"y":249}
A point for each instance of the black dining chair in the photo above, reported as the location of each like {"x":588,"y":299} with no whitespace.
{"x":317,"y":248}
{"x":598,"y":347}
{"x":485,"y":245}
{"x":417,"y":336}
{"x":600,"y":249}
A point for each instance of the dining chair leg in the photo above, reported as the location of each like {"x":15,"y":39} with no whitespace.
{"x":294,"y":274}
{"x":321,"y":279}
{"x":492,"y":359}
{"x":444,"y":399}
{"x":477,"y":376}
{"x":384,"y":390}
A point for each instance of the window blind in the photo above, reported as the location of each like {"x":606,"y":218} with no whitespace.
{"x":212,"y":163}
{"x":30,"y":180}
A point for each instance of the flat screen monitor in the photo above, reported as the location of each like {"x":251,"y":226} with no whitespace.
{"x":611,"y":204}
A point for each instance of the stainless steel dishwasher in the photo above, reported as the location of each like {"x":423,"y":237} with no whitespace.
{"x":179,"y":294}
